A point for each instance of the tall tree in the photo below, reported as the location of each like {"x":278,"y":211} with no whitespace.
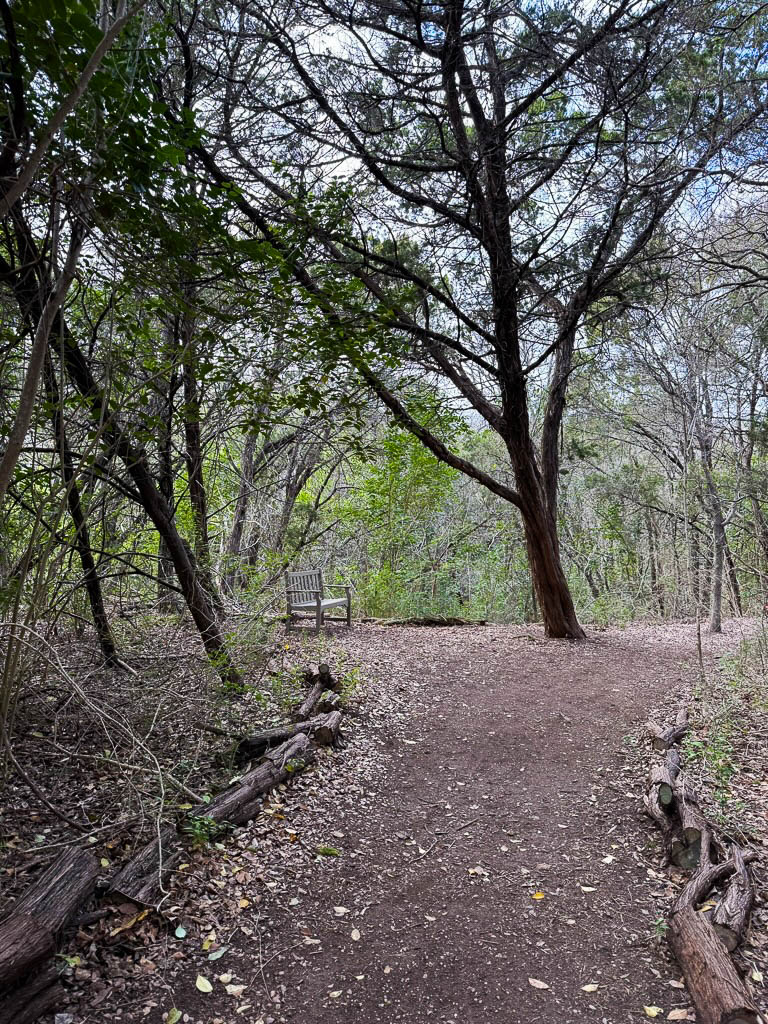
{"x":498,"y":178}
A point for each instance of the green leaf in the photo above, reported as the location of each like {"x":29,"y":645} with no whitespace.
{"x":327,"y":851}
{"x":174,"y":1016}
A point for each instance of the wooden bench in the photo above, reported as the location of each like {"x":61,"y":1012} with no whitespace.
{"x":305,"y":592}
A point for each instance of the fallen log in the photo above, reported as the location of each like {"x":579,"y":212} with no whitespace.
{"x":319,"y":674}
{"x":432,"y":620}
{"x":662,"y":738}
{"x":257,"y":744}
{"x":700,"y":945}
{"x":717,"y":991}
{"x":326,"y":729}
{"x":320,"y":679}
{"x":241,"y":800}
{"x":307,"y":706}
{"x":707,"y":877}
{"x":329,"y":701}
{"x":29,"y":932}
{"x":143,"y":879}
{"x":41,"y":994}
{"x":731,"y":915}
{"x":59,"y":891}
{"x":23,"y":945}
{"x":694,"y":830}
{"x":663,"y":777}
{"x":659,"y":797}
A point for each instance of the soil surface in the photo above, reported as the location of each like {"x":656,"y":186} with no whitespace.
{"x":478,"y":852}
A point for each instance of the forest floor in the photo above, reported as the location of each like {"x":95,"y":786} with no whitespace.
{"x":478,"y":852}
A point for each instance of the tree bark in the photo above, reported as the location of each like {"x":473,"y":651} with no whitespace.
{"x":731,"y":915}
{"x":552,"y":591}
{"x":23,"y":945}
{"x":657,"y":590}
{"x":716,"y":588}
{"x":733,"y":579}
{"x":235,"y":542}
{"x":256,"y":744}
{"x":167,"y":598}
{"x":26,"y":1004}
{"x":29,"y":929}
{"x":718,"y":992}
{"x":142,"y":880}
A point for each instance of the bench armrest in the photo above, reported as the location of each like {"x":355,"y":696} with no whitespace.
{"x":338,"y":586}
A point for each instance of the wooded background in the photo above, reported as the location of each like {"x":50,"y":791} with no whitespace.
{"x":463,"y":302}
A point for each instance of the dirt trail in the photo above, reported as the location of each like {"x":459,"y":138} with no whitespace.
{"x":483,"y":828}
{"x":503,"y":842}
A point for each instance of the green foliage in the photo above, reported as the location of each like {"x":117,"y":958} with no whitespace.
{"x":202,"y":830}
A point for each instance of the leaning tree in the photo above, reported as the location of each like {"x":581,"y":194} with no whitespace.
{"x":491,"y":178}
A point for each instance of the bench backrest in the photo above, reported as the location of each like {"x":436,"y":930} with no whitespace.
{"x":304,"y":586}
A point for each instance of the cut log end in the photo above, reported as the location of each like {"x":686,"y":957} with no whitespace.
{"x":326,"y":729}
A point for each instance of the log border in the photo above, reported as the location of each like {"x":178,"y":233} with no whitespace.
{"x":701,"y":941}
{"x":29,"y":979}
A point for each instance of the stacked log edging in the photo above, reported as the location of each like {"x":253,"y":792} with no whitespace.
{"x":701,"y":939}
{"x":281,"y":752}
{"x":31,"y":929}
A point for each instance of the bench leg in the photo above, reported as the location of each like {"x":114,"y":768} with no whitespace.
{"x":318,"y":617}
{"x":349,"y":614}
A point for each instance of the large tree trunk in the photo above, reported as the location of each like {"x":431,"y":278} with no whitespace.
{"x":733,"y":579}
{"x":694,"y":555}
{"x":657,"y":590}
{"x":551,"y":586}
{"x":549,"y":580}
{"x":166,"y":595}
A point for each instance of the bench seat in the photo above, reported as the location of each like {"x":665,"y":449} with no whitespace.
{"x":325,"y":602}
{"x":305,"y":592}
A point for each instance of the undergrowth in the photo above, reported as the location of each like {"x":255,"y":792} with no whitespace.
{"x":726,"y":743}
